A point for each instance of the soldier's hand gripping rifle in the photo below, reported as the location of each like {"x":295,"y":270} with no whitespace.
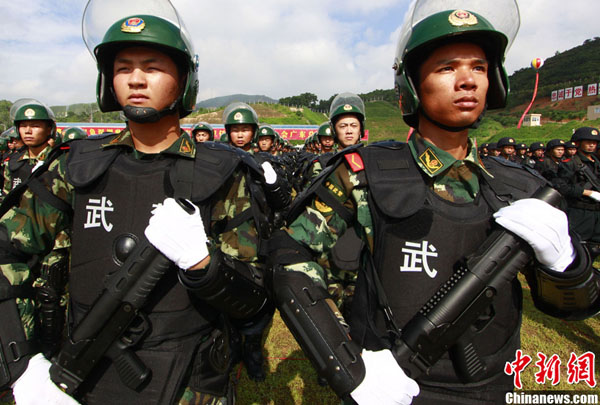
{"x":464,"y":298}
{"x":111,"y":326}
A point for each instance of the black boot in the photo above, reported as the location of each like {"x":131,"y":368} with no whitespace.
{"x":253,"y":357}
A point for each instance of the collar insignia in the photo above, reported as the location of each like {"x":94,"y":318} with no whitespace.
{"x":431,"y":161}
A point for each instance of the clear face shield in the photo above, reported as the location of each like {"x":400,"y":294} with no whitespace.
{"x":100,"y":15}
{"x":502,"y":14}
{"x":347,"y":99}
{"x":29,"y":101}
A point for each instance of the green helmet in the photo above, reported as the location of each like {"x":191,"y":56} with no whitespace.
{"x":324,"y":129}
{"x":266,"y":130}
{"x":347,"y":103}
{"x":431,"y":24}
{"x":204,"y":126}
{"x":29,"y":109}
{"x":10,"y":133}
{"x":72,"y":133}
{"x":240,"y":113}
{"x":153,"y":23}
{"x":224,"y":137}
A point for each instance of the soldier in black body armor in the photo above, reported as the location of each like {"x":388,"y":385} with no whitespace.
{"x":148,"y":193}
{"x":521,"y":154}
{"x":422,"y":207}
{"x":555,"y":150}
{"x":579,"y":181}
{"x":507,"y":146}
{"x":36,"y":125}
{"x":537,"y":150}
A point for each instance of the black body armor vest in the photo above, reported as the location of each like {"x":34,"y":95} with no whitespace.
{"x":420,"y":239}
{"x":19,"y":170}
{"x":114,"y":196}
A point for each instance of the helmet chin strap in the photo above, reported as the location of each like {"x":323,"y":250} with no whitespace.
{"x":146,"y":115}
{"x":473,"y":125}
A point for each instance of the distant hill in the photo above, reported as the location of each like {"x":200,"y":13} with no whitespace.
{"x":579,"y":65}
{"x":218,"y":102}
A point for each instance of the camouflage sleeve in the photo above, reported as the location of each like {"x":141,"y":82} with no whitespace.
{"x":242,"y":241}
{"x":319,"y":226}
{"x":32,"y":228}
{"x":6,"y":187}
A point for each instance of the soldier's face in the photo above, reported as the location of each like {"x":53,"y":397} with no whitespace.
{"x":508,"y":150}
{"x":538,"y":153}
{"x":265,"y":143}
{"x":347,"y":129}
{"x":34,"y":132}
{"x":588,"y":146}
{"x":326,"y":141}
{"x":558,"y":152}
{"x":145,"y":77}
{"x":241,"y":134}
{"x":453,"y":84}
{"x":201,"y":136}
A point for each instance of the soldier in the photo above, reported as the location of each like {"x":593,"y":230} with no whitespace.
{"x":266,"y":139}
{"x":537,"y":150}
{"x":421,"y":209}
{"x":103,"y":192}
{"x":15,"y":143}
{"x":347,"y":119}
{"x":521,"y":154}
{"x":36,"y":125}
{"x":579,"y":181}
{"x":483,"y":150}
{"x":241,"y":124}
{"x":203,"y":132}
{"x":493,"y":149}
{"x":72,"y":133}
{"x":326,"y":138}
{"x":570,"y":150}
{"x":555,"y":149}
{"x":506,"y":146}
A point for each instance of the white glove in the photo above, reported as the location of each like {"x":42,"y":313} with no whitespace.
{"x":595,"y":196}
{"x":270,"y":175}
{"x":35,"y":387}
{"x":385,"y":382}
{"x":178,"y":235}
{"x":544,"y":227}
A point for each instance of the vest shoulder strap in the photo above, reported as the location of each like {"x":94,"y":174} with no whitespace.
{"x":213,"y":165}
{"x":88,"y":160}
{"x":510,"y":182}
{"x":395,"y":181}
{"x":14,"y":163}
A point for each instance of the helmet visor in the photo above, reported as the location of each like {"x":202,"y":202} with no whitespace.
{"x":14,"y":109}
{"x":100,"y":15}
{"x":502,"y":14}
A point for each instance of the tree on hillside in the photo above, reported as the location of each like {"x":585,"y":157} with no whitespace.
{"x":304,"y":99}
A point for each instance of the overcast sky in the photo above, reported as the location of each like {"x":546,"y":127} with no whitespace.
{"x":277,"y":48}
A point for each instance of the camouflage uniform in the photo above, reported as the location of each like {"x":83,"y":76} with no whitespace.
{"x":34,"y":236}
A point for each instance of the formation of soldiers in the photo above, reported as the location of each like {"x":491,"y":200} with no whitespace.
{"x":141,"y":266}
{"x":572,"y":167}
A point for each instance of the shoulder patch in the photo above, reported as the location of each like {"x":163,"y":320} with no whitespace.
{"x":355,"y":162}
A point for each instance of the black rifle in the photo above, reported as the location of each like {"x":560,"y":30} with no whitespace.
{"x":111,"y":327}
{"x":441,"y":323}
